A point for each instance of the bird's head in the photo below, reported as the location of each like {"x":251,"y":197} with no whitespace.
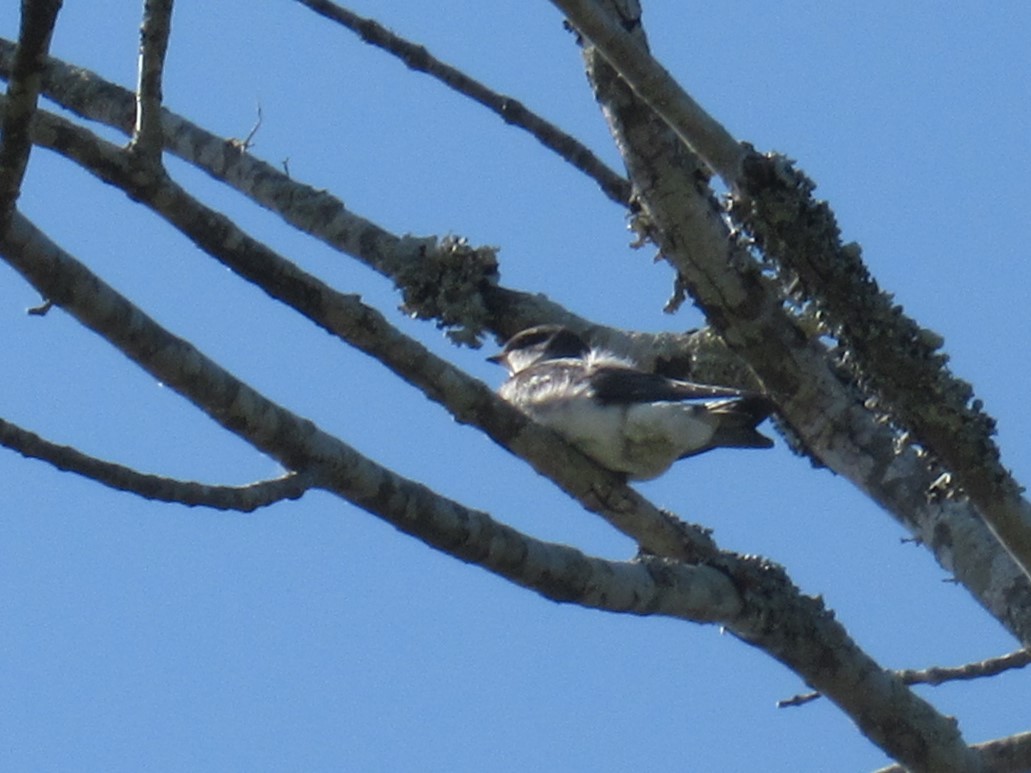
{"x":535,"y":344}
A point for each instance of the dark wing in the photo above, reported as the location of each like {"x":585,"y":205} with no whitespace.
{"x":623,"y":385}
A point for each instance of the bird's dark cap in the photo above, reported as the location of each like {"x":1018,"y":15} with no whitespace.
{"x":559,"y":342}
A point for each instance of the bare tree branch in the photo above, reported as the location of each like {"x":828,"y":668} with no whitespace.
{"x":311,"y":210}
{"x":148,"y":137}
{"x":29,"y":59}
{"x":510,"y":110}
{"x":990,"y":667}
{"x":1003,"y":755}
{"x":936,"y":675}
{"x":242,"y":498}
{"x":889,"y":352}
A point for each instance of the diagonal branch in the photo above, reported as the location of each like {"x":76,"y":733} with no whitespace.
{"x":510,"y":110}
{"x":1003,"y":755}
{"x":30,"y":56}
{"x":242,"y":498}
{"x":311,"y":210}
{"x":324,"y":216}
{"x":889,"y":353}
{"x":148,"y":137}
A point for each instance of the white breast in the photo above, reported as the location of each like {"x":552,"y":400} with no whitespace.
{"x":639,"y":439}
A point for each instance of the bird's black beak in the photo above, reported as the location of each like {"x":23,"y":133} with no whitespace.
{"x":497,"y":359}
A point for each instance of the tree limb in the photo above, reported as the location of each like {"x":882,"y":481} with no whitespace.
{"x":156,"y":487}
{"x":889,"y":352}
{"x":324,"y":216}
{"x":148,"y":137}
{"x":28,"y":61}
{"x":629,"y":56}
{"x":310,"y":210}
{"x":687,"y":225}
{"x":1003,"y":755}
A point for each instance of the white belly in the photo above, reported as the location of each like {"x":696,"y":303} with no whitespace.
{"x":641,"y":440}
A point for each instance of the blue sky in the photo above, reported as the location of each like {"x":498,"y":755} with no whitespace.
{"x":310,"y":636}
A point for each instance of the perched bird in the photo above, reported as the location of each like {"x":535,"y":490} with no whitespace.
{"x":627,"y":420}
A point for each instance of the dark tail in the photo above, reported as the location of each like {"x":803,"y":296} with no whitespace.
{"x":736,"y":423}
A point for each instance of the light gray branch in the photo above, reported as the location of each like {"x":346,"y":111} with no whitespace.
{"x":147,"y":138}
{"x":28,"y":61}
{"x":155,"y":487}
{"x":322,"y":215}
{"x":311,"y":210}
{"x":747,"y":311}
{"x":1003,"y":755}
{"x":889,"y":353}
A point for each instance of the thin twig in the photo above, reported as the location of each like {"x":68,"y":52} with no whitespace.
{"x":936,"y":675}
{"x":245,"y":499}
{"x":30,"y":59}
{"x":148,"y":137}
{"x":41,"y":310}
{"x":510,"y":110}
{"x":248,"y":142}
